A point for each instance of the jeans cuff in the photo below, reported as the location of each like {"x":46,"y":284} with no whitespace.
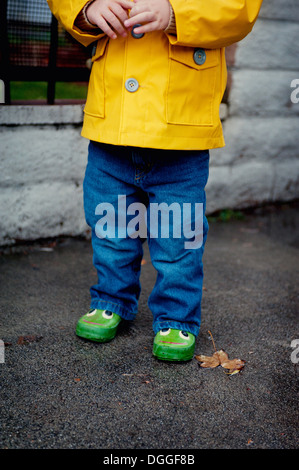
{"x":190,"y":328}
{"x":114,"y":307}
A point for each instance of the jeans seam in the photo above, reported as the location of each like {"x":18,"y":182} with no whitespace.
{"x":158,"y":325}
{"x":122,"y":307}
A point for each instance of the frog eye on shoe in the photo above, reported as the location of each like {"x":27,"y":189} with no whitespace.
{"x":184,"y":335}
{"x":91,"y":312}
{"x":165,"y":331}
{"x":107,"y":314}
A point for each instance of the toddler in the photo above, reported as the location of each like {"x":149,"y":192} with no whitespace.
{"x":152,"y":114}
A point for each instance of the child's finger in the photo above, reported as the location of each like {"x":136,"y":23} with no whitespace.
{"x":127,"y":4}
{"x":138,"y":8}
{"x":114,"y":22}
{"x":144,"y":17}
{"x":103,"y":25}
{"x":121,"y":14}
{"x":146,"y":28}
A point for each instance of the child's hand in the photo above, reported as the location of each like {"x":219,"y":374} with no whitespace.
{"x":109,"y":16}
{"x":154,"y":15}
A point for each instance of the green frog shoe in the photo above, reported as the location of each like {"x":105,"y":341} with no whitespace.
{"x":174,"y":345}
{"x":98,"y":325}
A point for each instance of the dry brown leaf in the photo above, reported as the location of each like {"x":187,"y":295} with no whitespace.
{"x":223,"y":356}
{"x":220,"y":357}
{"x":208,"y":362}
{"x":232,"y":372}
{"x":234,"y":364}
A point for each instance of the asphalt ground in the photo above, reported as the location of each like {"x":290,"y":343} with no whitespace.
{"x":61,"y":392}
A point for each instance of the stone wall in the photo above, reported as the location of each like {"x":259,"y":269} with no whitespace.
{"x":260,"y":162}
{"x":43,"y":156}
{"x":42,"y":161}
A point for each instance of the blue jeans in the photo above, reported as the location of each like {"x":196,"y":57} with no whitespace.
{"x":147,"y":177}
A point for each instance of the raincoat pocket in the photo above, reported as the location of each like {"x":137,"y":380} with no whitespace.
{"x":95,"y":103}
{"x":190,"y":96}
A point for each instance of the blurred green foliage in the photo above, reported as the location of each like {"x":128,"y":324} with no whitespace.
{"x":38,"y":91}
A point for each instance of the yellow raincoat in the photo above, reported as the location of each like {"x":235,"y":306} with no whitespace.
{"x":162,"y":91}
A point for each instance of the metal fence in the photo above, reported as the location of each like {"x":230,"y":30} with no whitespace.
{"x":35,"y":47}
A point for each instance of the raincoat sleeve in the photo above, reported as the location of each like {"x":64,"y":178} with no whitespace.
{"x":66,"y":11}
{"x":213,"y":24}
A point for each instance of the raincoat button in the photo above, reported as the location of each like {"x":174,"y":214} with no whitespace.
{"x":131,"y":85}
{"x":199,"y":56}
{"x":137,"y":35}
